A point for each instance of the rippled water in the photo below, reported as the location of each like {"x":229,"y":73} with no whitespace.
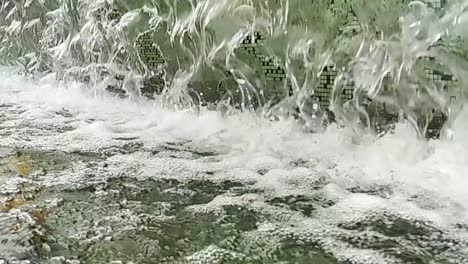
{"x":115,"y":181}
{"x":203,"y":131}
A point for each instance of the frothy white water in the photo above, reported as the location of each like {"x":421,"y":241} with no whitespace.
{"x":425,"y":179}
{"x":203,"y":58}
{"x":362,"y":174}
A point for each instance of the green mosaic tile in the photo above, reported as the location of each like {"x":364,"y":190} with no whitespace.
{"x":149,"y":51}
{"x":117,"y":11}
{"x":269,"y":70}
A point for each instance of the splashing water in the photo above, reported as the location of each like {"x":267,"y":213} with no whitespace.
{"x":213,"y":51}
{"x":208,"y":158}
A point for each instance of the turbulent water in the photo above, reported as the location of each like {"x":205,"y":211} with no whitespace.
{"x":121,"y":181}
{"x":187,"y":151}
{"x":192,"y":53}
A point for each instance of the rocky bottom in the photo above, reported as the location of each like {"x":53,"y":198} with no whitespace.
{"x":129,"y":220}
{"x":69,"y":196}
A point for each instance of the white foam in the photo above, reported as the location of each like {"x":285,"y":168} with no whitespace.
{"x":409,"y":166}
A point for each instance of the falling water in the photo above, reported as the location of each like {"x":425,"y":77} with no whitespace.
{"x":179,"y":131}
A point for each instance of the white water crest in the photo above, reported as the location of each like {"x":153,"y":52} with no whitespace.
{"x":201,"y":43}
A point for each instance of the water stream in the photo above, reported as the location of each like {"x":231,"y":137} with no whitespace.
{"x":216,"y":131}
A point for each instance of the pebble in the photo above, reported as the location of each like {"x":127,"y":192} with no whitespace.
{"x":46,"y":247}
